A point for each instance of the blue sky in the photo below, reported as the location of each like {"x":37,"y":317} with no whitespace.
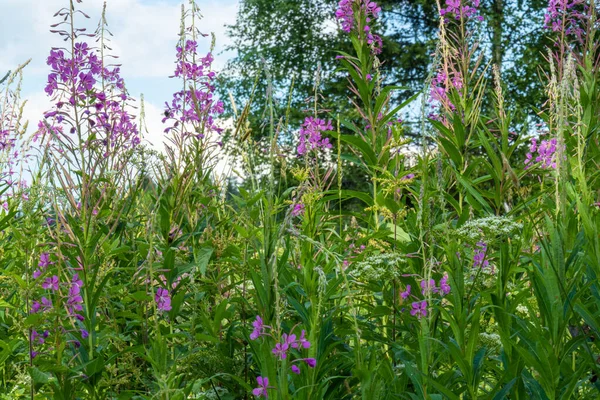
{"x":145,"y":35}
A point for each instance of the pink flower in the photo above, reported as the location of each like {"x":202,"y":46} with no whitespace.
{"x":163,"y":299}
{"x":406,"y":293}
{"x":263,"y":386}
{"x":51,"y":283}
{"x":419,"y":309}
{"x":259,"y":328}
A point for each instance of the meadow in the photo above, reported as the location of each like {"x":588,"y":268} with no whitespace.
{"x":467,"y":268}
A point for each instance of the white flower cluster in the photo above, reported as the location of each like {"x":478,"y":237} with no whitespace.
{"x":378,"y":267}
{"x":491,"y":341}
{"x":489,"y":229}
{"x":211,"y":394}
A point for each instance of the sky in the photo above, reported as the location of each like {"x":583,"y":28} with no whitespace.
{"x":145,"y":35}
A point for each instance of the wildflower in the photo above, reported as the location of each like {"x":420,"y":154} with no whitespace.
{"x":406,"y":293}
{"x":163,"y":299}
{"x":51,"y":283}
{"x":295,"y":369}
{"x":428,"y":287}
{"x":419,"y":309}
{"x":74,"y":300}
{"x":45,"y":305}
{"x":280,"y":350}
{"x":461,"y":9}
{"x":479,"y":255}
{"x":302,"y":341}
{"x":84,"y":333}
{"x":263,"y":386}
{"x":311,"y":135}
{"x":44,"y":260}
{"x":311,"y":362}
{"x":259,"y":328}
{"x":444,"y":287}
{"x":568,"y":16}
{"x":297,"y":210}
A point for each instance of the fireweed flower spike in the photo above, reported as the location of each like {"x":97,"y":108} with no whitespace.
{"x":348,"y":19}
{"x":311,"y":135}
{"x":479,"y":255}
{"x":195,"y":105}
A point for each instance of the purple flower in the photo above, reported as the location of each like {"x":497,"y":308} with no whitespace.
{"x":295,"y":369}
{"x":302,"y":341}
{"x":44,"y":260}
{"x":263,"y":385}
{"x":74,"y":300}
{"x":84,"y":334}
{"x":310,"y":135}
{"x":444,"y":287}
{"x":479,"y":255}
{"x":51,"y":283}
{"x":297,"y":210}
{"x":428,"y":287}
{"x":37,"y":273}
{"x":163,"y":299}
{"x":419,"y":308}
{"x":280,"y":350}
{"x":259,"y":328}
{"x":311,"y":362}
{"x":406,"y":293}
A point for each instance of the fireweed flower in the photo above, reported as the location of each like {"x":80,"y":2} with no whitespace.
{"x":345,"y":14}
{"x":259,"y":328}
{"x":195,"y":105}
{"x":570,"y":15}
{"x":479,"y":255}
{"x":444,"y":286}
{"x":51,"y":283}
{"x":280,"y":350}
{"x":163,"y":299}
{"x":74,"y":300}
{"x":302,"y":341}
{"x":546,"y":154}
{"x":297,"y":210}
{"x":311,"y":135}
{"x":428,"y":287}
{"x":263,"y":386}
{"x":79,"y":76}
{"x":295,"y":369}
{"x":406,"y":293}
{"x":461,"y":9}
{"x":419,"y":309}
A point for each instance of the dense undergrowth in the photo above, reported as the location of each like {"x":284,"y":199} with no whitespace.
{"x":469,"y":271}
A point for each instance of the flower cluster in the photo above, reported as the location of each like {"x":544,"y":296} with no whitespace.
{"x":55,"y":288}
{"x":441,"y":84}
{"x":76,"y":75}
{"x":428,"y":287}
{"x":311,"y":135}
{"x":196,"y":103}
{"x":569,"y":15}
{"x":479,"y":255}
{"x":461,"y":9}
{"x":282,"y":350}
{"x":489,"y":229}
{"x":545,"y":153}
{"x":348,"y":19}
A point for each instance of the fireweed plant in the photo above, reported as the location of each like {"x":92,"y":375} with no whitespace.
{"x":470,"y":271}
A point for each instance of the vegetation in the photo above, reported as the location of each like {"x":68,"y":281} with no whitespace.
{"x":466,"y":267}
